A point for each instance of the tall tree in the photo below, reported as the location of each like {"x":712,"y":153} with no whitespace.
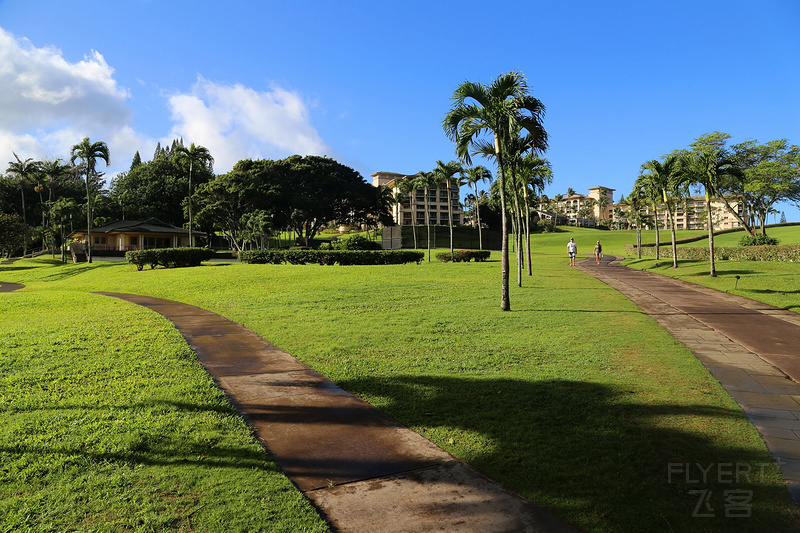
{"x":426,"y":181}
{"x":88,"y":153}
{"x":474,"y":175}
{"x":408,"y":186}
{"x":23,"y":172}
{"x":535,"y":172}
{"x":663,"y":178}
{"x":710,"y":168}
{"x":193,"y":155}
{"x":449,"y":173}
{"x":500,"y":109}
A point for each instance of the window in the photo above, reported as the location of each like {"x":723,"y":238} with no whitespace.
{"x":99,"y":240}
{"x":134,"y":241}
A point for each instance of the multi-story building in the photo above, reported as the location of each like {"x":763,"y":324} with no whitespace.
{"x":691,"y":214}
{"x":588,"y":210}
{"x":437,"y":202}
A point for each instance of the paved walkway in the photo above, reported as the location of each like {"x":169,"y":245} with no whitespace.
{"x":751,"y":348}
{"x":362,"y":469}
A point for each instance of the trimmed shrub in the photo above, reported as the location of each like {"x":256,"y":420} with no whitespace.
{"x":168,"y":257}
{"x":786,"y":253}
{"x":331,"y":257}
{"x":356,"y":242}
{"x":464,"y":256}
{"x":758,"y":240}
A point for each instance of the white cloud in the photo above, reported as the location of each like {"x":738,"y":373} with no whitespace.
{"x":236,"y":122}
{"x":49,"y":104}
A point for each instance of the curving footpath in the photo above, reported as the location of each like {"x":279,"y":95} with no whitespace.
{"x":751,"y":348}
{"x":361,"y":469}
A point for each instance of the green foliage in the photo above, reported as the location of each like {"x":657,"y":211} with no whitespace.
{"x":12,"y":233}
{"x":758,"y":240}
{"x":356,"y":242}
{"x":157,"y":188}
{"x":464,"y":256}
{"x":168,"y":257}
{"x":331,"y":257}
{"x":786,"y":253}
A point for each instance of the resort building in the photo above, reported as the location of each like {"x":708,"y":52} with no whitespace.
{"x":586,"y":210}
{"x":437,"y":202}
{"x":691,"y":214}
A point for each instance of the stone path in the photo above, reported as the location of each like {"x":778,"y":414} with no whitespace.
{"x":751,"y":348}
{"x":362,"y":470}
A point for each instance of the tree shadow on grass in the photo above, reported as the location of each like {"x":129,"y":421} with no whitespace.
{"x":586,"y":451}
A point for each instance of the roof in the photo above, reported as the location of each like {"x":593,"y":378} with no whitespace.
{"x":151,"y":225}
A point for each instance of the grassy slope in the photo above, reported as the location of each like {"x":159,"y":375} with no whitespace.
{"x":575,"y":399}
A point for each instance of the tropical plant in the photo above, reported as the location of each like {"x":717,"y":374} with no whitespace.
{"x":426,"y":181}
{"x":447,"y":174}
{"x":88,"y":153}
{"x":663,"y":178}
{"x":502,"y":109}
{"x":193,"y":155}
{"x":473,"y":176}
{"x":709,"y":167}
{"x":408,"y":186}
{"x":23,"y":172}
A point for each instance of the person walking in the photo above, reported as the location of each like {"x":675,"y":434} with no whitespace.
{"x":598,"y":252}
{"x":572,"y":250}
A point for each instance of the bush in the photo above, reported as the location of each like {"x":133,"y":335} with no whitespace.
{"x":168,"y":257}
{"x":785,"y":253}
{"x":331,"y":257}
{"x":758,"y":240}
{"x":464,"y":256}
{"x":356,"y":242}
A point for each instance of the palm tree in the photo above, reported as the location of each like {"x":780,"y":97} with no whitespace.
{"x":426,"y":180}
{"x":535,"y":173}
{"x":502,"y":109}
{"x":408,"y":186}
{"x":473,"y":175}
{"x":635,"y":202}
{"x":23,"y":171}
{"x":663,"y":177}
{"x":558,"y":198}
{"x":570,"y":191}
{"x":709,"y":168}
{"x":447,"y":172}
{"x":88,"y":153}
{"x":194,"y":154}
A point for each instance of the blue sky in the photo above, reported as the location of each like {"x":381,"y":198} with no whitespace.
{"x":368,"y":83}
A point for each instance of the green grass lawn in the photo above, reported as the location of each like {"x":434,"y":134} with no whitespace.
{"x":574,"y":399}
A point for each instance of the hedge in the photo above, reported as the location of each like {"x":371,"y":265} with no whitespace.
{"x":785,"y":253}
{"x":168,"y":257}
{"x":464,"y":256}
{"x":331,"y":257}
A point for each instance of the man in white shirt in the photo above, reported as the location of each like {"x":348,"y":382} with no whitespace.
{"x":572,"y":250}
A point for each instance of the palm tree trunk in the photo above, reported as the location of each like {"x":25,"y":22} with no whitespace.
{"x":88,"y":219}
{"x":672,"y":231}
{"x":713,"y":271}
{"x":478,"y":215}
{"x":412,"y":203}
{"x":428,"y":224}
{"x":191,"y":237}
{"x":658,"y":241}
{"x":505,"y":301}
{"x":528,"y":235}
{"x":450,"y":216}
